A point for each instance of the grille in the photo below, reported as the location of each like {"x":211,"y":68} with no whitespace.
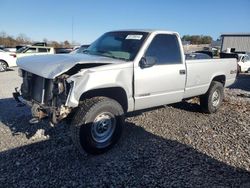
{"x":37,"y":88}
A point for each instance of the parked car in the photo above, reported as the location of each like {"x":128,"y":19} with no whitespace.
{"x":197,"y":56}
{"x":244,"y":62}
{"x":10,"y":49}
{"x":7,"y":59}
{"x":39,"y":44}
{"x":63,"y":50}
{"x":81,"y":49}
{"x":121,"y":72}
{"x":209,"y":53}
{"x":34,"y":50}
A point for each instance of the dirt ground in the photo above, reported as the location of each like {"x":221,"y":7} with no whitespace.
{"x":170,"y":146}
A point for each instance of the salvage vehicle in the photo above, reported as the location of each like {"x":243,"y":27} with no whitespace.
{"x":121,"y":72}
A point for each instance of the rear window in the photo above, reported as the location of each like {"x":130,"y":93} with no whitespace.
{"x":43,"y":49}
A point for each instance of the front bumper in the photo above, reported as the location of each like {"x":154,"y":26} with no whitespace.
{"x":19,"y":99}
{"x":39,"y":112}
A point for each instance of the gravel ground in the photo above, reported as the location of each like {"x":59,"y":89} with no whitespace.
{"x":170,"y":146}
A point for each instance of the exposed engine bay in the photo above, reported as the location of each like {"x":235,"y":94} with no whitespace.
{"x":46,"y":96}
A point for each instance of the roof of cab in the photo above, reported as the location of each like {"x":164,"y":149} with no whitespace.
{"x":146,"y":30}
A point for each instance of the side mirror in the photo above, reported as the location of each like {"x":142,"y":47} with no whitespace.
{"x":148,"y":61}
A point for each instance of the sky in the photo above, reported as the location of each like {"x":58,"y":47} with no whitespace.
{"x":53,"y":19}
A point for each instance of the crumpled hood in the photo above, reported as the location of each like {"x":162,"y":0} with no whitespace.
{"x":50,"y":66}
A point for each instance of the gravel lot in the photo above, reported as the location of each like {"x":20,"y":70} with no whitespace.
{"x":171,"y":146}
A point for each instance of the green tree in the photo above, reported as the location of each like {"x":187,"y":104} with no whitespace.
{"x":206,"y":40}
{"x":66,"y":44}
{"x":197,"y":39}
{"x":55,"y":44}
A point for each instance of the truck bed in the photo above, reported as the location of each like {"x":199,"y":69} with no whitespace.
{"x":200,"y":73}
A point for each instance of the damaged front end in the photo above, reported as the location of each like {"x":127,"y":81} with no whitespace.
{"x":46,"y":97}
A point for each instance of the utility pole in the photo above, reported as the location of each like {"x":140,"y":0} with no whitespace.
{"x":72,"y":30}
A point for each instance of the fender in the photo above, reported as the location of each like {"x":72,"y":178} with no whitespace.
{"x":109,"y":76}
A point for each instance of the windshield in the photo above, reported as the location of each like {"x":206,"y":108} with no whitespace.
{"x":246,"y":58}
{"x":119,"y":45}
{"x":20,"y":50}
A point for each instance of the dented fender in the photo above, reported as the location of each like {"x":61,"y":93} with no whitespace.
{"x":115,"y":75}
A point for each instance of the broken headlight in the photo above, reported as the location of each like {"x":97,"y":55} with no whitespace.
{"x":58,"y":88}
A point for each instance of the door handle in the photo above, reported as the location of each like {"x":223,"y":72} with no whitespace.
{"x":182,"y":72}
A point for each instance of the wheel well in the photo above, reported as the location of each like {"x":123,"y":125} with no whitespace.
{"x":4,"y":62}
{"x":221,"y":79}
{"x":116,"y":93}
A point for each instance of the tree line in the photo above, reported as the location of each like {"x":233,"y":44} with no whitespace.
{"x":197,"y":39}
{"x":10,"y":41}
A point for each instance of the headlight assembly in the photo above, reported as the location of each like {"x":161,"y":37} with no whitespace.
{"x":58,"y":88}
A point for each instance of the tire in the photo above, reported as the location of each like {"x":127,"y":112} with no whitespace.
{"x":211,"y":101}
{"x":97,"y":125}
{"x":3,"y":66}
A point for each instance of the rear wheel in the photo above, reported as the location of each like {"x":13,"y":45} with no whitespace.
{"x":97,"y":125}
{"x":211,"y":101}
{"x":3,"y":66}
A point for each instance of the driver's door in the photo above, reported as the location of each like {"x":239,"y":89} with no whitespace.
{"x":164,"y":82}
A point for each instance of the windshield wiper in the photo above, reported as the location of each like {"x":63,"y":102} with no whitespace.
{"x":114,"y":57}
{"x":105,"y":54}
{"x":86,"y":51}
{"x":121,"y":58}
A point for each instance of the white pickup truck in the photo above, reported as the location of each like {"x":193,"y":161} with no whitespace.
{"x":121,"y":72}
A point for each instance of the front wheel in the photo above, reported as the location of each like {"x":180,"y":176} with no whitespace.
{"x":97,"y":125}
{"x":211,"y":101}
{"x":3,"y":66}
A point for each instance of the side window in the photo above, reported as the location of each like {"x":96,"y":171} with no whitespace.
{"x":42,"y":50}
{"x":165,"y":48}
{"x":247,"y":58}
{"x":31,"y":50}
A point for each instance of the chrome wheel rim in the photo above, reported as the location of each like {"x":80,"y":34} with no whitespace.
{"x":2,"y":66}
{"x":103,"y":127}
{"x":216,"y":98}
